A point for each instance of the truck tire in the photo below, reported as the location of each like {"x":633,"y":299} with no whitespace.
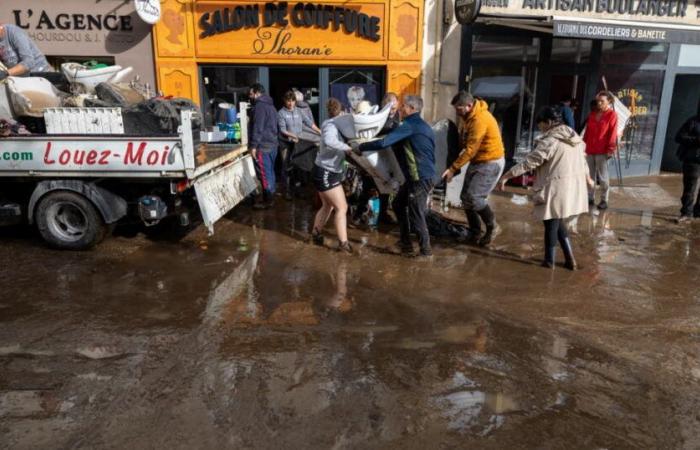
{"x":69,"y":221}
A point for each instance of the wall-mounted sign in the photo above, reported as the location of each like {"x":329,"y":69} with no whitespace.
{"x":667,"y":11}
{"x":301,"y":15}
{"x":624,"y":32}
{"x":148,"y":10}
{"x":289,"y":30}
{"x":467,"y":11}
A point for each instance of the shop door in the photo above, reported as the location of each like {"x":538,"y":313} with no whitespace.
{"x":226,"y":84}
{"x":301,"y":78}
{"x":570,"y":87}
{"x":684,"y":105}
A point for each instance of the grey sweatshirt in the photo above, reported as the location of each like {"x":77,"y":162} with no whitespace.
{"x":16,"y":47}
{"x":332,"y":152}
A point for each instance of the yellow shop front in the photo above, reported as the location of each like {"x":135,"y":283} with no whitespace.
{"x":210,"y":51}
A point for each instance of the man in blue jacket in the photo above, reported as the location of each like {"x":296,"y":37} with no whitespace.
{"x":262,"y":142}
{"x":414,"y":145}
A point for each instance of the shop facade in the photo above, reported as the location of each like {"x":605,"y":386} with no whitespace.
{"x":211,"y":51}
{"x":522,"y":55}
{"x":105,"y":31}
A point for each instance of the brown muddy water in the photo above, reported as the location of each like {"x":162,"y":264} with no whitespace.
{"x":253,"y":338}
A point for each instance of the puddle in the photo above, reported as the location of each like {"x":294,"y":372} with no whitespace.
{"x":31,"y":403}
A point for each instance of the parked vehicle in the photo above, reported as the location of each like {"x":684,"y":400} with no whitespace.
{"x":76,"y":187}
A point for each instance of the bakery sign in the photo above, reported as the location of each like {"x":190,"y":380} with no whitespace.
{"x":685,"y":12}
{"x":287,"y":30}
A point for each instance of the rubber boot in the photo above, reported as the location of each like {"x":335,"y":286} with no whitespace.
{"x":474,"y":225}
{"x":492,"y":229}
{"x":570,"y":261}
{"x":549,"y":255}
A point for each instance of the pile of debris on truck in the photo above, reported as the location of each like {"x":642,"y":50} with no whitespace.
{"x":24,"y":100}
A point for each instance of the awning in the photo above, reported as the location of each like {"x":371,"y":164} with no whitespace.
{"x":607,"y":29}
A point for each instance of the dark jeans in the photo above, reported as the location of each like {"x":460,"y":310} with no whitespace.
{"x":410,"y":206}
{"x":554,"y":230}
{"x":691,"y":197}
{"x":285,"y":156}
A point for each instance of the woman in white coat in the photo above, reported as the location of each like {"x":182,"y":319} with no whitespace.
{"x":561,"y":181}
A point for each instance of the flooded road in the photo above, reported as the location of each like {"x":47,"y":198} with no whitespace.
{"x":253,"y":338}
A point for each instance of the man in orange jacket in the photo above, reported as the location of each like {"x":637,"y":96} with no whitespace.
{"x":482,"y":147}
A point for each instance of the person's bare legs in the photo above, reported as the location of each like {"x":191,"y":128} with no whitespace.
{"x":323,"y":214}
{"x":336,"y":198}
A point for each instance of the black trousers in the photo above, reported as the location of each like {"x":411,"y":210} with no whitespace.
{"x":285,"y":157}
{"x":410,"y":206}
{"x":554,"y":230}
{"x":691,"y":195}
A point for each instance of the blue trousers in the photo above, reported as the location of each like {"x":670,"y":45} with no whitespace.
{"x":265,"y":168}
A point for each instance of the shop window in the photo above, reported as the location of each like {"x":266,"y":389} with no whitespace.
{"x":577,"y":51}
{"x":505,"y":48}
{"x":351,"y":86}
{"x":637,"y":53}
{"x":640,"y":92}
{"x":510,"y":94}
{"x":689,"y":56}
{"x":224,"y":84}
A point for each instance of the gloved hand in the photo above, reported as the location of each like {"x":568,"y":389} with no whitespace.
{"x":3,"y":74}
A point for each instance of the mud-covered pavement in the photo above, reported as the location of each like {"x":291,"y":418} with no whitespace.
{"x":253,"y":338}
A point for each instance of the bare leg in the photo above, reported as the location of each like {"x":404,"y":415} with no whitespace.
{"x":323,"y":214}
{"x":336,"y":197}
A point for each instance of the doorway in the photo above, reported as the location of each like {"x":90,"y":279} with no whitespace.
{"x":303,"y":79}
{"x":684,"y":105}
{"x":572,"y":87}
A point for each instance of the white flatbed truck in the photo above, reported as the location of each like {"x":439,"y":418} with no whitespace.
{"x":75,"y":188}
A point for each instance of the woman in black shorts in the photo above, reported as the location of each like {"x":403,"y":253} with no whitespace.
{"x":328,"y":175}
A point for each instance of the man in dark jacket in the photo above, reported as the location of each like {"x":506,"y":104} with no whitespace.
{"x":414,"y":145}
{"x":689,"y":152}
{"x":262,"y":142}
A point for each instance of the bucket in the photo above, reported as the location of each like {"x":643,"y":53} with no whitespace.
{"x":229,"y":112}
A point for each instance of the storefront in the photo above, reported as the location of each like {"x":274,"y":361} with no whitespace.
{"x":211,"y":51}
{"x":526,"y":54}
{"x":107,"y":31}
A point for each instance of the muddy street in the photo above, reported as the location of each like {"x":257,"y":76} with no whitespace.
{"x":254,"y":338}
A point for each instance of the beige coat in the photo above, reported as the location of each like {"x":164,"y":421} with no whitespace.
{"x":559,"y":162}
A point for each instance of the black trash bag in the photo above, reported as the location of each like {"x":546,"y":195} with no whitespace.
{"x":158,"y":117}
{"x":439,"y":226}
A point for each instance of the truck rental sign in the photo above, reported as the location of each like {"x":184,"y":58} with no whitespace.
{"x":70,"y":154}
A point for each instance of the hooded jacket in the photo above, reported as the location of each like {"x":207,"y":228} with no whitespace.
{"x":689,"y":139}
{"x":559,"y":162}
{"x":479,"y":137}
{"x":263,"y":125}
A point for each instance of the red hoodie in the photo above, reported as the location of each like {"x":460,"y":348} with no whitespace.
{"x":601,"y":135}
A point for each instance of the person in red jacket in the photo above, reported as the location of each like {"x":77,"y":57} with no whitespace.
{"x":601,"y":144}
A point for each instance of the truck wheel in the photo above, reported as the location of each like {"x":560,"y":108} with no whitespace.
{"x":67,"y":220}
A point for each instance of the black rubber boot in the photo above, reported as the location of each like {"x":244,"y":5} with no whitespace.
{"x":570,"y":261}
{"x":474,"y":225}
{"x":492,"y":229}
{"x":549,"y":256}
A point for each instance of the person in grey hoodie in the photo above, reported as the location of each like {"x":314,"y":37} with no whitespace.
{"x":328,"y":177}
{"x":18,"y":53}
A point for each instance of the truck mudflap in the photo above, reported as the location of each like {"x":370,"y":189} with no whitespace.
{"x":223,"y":188}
